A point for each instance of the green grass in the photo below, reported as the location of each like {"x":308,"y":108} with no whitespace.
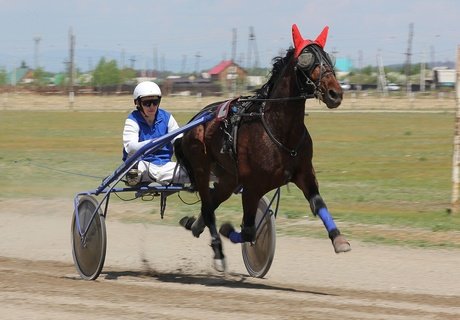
{"x":373,"y":168}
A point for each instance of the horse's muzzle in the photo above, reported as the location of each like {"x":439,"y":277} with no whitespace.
{"x":333,"y":98}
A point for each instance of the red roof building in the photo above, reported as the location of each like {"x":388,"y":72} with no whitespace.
{"x":227,"y":72}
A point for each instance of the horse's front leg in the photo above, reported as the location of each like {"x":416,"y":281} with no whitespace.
{"x":309,"y":186}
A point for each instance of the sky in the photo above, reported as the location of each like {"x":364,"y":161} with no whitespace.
{"x":195,"y":35}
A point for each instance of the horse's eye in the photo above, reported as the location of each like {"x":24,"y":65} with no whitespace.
{"x":306,"y":60}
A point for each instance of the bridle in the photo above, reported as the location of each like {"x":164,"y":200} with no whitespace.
{"x":311,"y":57}
{"x":302,"y":70}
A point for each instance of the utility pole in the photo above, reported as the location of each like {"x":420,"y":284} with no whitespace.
{"x":163,"y":63}
{"x":197,"y":63}
{"x":71,"y":68}
{"x":252,"y":49}
{"x":432,"y":66}
{"x":382,"y":78}
{"x":456,"y":157}
{"x":360,"y":66}
{"x":234,"y":45}
{"x":422,"y":73}
{"x":132,"y":61}
{"x":184,"y":63}
{"x":155,"y":59}
{"x":408,"y":56}
{"x":122,"y":58}
{"x":36,"y":60}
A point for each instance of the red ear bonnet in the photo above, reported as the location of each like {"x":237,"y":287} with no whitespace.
{"x":300,"y":43}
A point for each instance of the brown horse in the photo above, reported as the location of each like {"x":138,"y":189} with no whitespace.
{"x":263,"y":144}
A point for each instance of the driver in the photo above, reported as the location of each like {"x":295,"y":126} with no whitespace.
{"x":146,"y":123}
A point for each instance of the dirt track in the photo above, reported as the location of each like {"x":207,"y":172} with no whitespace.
{"x":162,"y":272}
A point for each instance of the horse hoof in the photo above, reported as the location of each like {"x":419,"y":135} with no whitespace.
{"x":187,"y":222}
{"x":197,"y":227}
{"x":220,"y":265}
{"x":226,"y":229}
{"x":341,"y":244}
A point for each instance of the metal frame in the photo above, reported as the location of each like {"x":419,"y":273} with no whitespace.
{"x":108,"y":184}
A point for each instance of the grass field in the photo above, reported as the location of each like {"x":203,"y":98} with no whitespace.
{"x":386,"y":177}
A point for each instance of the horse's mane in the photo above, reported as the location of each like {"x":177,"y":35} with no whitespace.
{"x":279,"y":63}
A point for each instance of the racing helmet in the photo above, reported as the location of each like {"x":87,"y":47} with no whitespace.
{"x":146,"y":89}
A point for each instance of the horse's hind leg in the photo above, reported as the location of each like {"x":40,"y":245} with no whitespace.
{"x":210,"y":200}
{"x":196,"y":225}
{"x":248,"y":230}
{"x":218,"y":194}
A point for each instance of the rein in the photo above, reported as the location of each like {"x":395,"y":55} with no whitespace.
{"x":301,"y":97}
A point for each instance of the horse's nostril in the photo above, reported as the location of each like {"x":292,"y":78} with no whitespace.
{"x":333,"y":94}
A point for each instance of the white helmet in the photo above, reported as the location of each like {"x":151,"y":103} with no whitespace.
{"x":145,"y":89}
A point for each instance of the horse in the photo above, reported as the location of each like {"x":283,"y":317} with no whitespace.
{"x":262,"y":144}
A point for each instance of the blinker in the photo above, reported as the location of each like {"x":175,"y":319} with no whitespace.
{"x":306,"y":60}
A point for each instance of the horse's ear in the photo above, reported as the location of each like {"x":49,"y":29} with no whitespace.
{"x":321,"y":39}
{"x":296,"y":36}
{"x":299,"y":42}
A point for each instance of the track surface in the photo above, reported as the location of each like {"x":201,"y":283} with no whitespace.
{"x":162,"y":272}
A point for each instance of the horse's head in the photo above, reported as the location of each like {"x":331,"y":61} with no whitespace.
{"x":315,"y":69}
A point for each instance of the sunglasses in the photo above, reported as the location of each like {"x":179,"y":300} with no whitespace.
{"x":148,"y":103}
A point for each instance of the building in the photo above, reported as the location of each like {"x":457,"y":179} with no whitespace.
{"x":444,"y":77}
{"x":228,"y":74}
{"x":22,"y":75}
{"x":343,"y":66}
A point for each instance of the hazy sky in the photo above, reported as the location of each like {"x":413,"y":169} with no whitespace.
{"x":178,"y":31}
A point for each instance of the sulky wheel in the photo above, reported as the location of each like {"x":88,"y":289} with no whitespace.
{"x":258,"y":256}
{"x":89,"y":250}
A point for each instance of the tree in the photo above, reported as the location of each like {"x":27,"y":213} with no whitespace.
{"x":127,"y":74}
{"x":106,"y":73}
{"x":366,"y":75}
{"x":3,"y":77}
{"x":40,"y":77}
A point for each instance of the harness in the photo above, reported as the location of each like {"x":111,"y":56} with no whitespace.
{"x":240,"y":108}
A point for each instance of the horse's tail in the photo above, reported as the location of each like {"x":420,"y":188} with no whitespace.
{"x":183,"y":161}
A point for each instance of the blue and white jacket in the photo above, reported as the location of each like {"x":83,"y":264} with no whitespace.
{"x":137,"y":133}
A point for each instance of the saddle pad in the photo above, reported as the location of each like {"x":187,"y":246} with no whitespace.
{"x":222,"y":110}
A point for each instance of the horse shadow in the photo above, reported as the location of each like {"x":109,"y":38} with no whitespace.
{"x":227,"y":280}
